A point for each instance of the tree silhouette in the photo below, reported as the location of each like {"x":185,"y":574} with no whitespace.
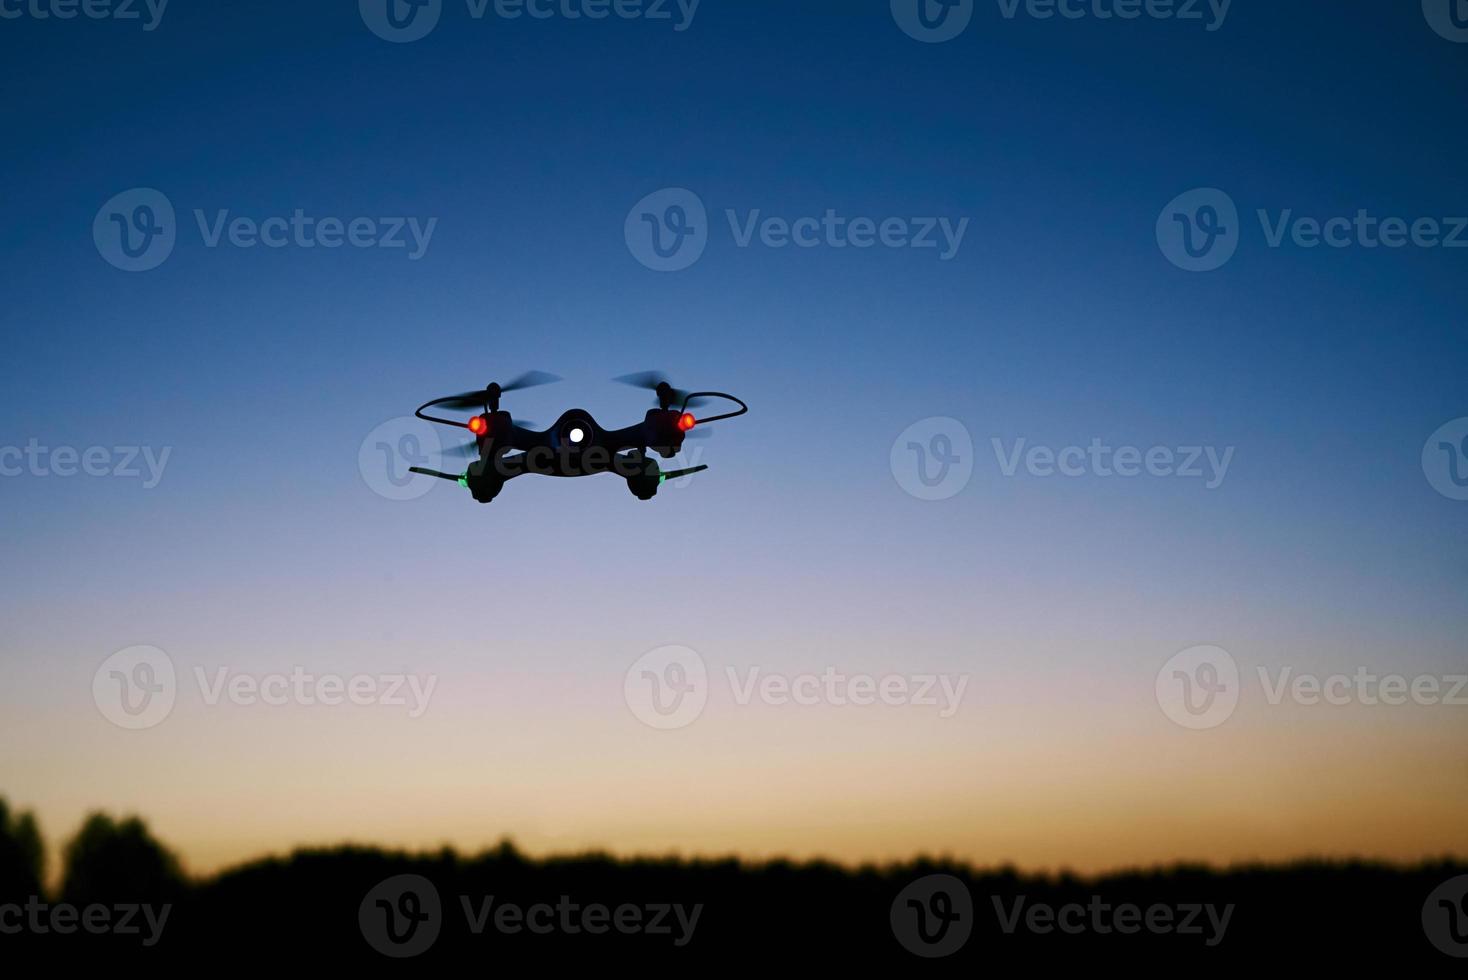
{"x":22,"y":856}
{"x":323,"y":907}
{"x":119,"y":861}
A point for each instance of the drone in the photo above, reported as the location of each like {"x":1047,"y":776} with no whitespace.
{"x":576,"y":445}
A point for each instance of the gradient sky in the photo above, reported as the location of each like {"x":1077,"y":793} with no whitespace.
{"x":1059,"y":321}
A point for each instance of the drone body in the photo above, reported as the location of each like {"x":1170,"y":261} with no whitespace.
{"x":576,"y":445}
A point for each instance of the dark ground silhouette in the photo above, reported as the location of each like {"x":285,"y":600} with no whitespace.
{"x":356,"y":906}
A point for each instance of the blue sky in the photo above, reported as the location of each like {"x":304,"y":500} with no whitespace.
{"x":1058,"y":321}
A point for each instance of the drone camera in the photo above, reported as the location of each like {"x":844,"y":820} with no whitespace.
{"x":576,"y":431}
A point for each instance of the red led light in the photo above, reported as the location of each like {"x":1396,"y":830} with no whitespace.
{"x":686,"y":421}
{"x":479,"y":425}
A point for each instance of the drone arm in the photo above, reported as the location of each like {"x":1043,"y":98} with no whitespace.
{"x":442,"y":476}
{"x":620,"y":440}
{"x":438,"y":421}
{"x":675,"y":474}
{"x":715,"y":394}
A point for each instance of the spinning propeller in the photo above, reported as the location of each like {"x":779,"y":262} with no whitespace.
{"x":668,"y":396}
{"x":488,"y":398}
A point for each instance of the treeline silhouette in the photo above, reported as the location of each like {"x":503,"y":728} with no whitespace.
{"x":346,"y":906}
